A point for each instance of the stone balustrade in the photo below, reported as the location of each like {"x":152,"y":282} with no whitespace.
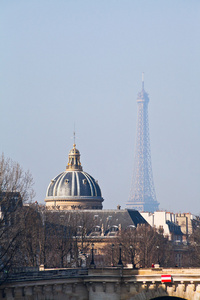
{"x":109,"y":283}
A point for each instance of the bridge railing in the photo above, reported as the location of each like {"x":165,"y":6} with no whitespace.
{"x":27,"y":275}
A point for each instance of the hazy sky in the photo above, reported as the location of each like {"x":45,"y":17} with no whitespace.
{"x":68,"y":61}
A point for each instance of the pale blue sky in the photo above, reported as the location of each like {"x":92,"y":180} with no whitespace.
{"x":81,"y":61}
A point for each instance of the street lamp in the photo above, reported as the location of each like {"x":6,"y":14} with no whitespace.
{"x":120,"y":263}
{"x":158,"y":254}
{"x":43,"y":242}
{"x":112,"y":260}
{"x":92,"y":264}
{"x":132,"y":257}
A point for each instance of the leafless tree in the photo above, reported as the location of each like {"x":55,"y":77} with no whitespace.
{"x":58,"y":240}
{"x":191,"y":256}
{"x":140,"y":247}
{"x":14,"y":179}
{"x":16,"y":187}
{"x":66,"y":238}
{"x":29,"y":252}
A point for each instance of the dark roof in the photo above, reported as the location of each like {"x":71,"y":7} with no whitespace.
{"x":103,"y":222}
{"x":174,"y":228}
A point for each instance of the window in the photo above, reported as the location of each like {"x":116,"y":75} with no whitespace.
{"x":131,"y":227}
{"x":114,"y":228}
{"x":97,"y":228}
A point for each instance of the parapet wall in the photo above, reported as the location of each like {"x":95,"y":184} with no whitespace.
{"x":93,"y":284}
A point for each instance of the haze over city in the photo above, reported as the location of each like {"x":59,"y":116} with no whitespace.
{"x":81,"y":62}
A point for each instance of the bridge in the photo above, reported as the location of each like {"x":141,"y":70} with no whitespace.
{"x":106,"y":283}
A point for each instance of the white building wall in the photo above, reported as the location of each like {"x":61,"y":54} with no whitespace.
{"x":149,"y":217}
{"x":158,"y":220}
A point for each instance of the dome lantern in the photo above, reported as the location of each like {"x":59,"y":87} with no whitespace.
{"x":74,"y":159}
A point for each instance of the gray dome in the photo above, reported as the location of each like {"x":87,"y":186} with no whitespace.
{"x":73,"y":188}
{"x":73,"y":184}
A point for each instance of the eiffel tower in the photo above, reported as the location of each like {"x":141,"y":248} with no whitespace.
{"x":142,"y":195}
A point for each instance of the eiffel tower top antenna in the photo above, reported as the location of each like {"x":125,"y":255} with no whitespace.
{"x":142,"y":80}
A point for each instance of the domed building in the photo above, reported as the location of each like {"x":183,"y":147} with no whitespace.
{"x":73,"y":188}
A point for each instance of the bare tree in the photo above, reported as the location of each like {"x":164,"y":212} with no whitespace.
{"x":13,"y":179}
{"x":29,"y":252}
{"x":66,"y":238}
{"x":16,"y":187}
{"x":140,"y":247}
{"x":192,"y":253}
{"x":58,"y":240}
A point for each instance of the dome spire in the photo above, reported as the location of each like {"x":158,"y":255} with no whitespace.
{"x":74,"y":133}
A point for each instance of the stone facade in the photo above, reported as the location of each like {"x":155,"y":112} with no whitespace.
{"x":105,"y":284}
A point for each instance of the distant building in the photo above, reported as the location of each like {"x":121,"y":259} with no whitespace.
{"x":142,"y":196}
{"x":102,"y":224}
{"x":74,"y":197}
{"x":77,"y":194}
{"x":178,"y":228}
{"x":97,"y":227}
{"x":166,"y":222}
{"x":187,"y":223}
{"x":9,"y":202}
